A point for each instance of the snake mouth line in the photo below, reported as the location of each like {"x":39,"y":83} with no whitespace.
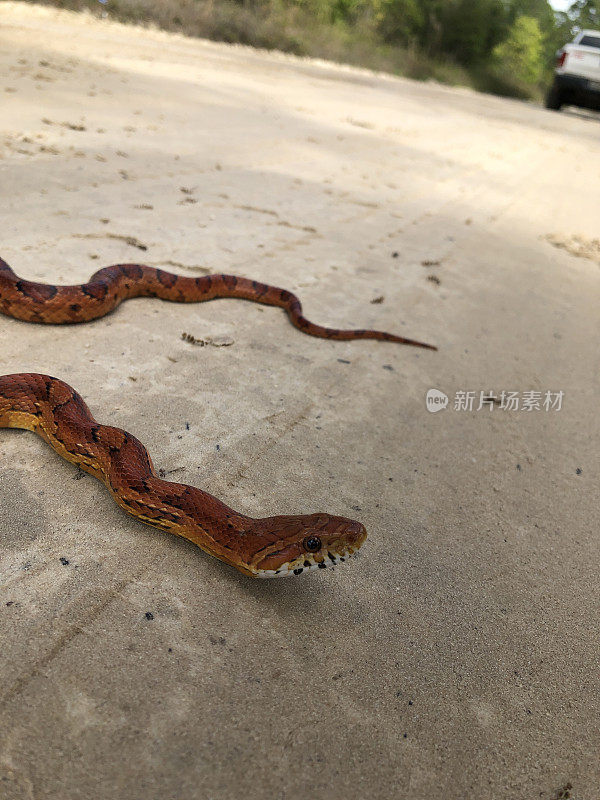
{"x":308,"y":564}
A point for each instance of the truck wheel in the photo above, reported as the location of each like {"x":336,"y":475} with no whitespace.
{"x":554,"y":99}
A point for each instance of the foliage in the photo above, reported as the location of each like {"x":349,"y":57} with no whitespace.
{"x":585,"y":14}
{"x":522,"y":50}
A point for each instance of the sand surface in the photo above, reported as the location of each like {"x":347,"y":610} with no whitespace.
{"x":458,"y":658}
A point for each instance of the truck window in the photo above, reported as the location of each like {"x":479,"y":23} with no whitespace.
{"x":590,"y":41}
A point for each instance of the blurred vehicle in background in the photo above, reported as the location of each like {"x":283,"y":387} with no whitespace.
{"x":577,"y":74}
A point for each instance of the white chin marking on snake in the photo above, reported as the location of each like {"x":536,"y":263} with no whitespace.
{"x":303,"y":567}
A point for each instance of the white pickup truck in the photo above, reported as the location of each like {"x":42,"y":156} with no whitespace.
{"x":577,"y":74}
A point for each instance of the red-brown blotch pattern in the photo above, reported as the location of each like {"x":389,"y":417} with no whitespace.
{"x":268,"y":547}
{"x":107,"y":288}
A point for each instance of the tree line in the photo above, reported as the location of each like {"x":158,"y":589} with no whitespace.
{"x":502,"y":46}
{"x":519,"y":37}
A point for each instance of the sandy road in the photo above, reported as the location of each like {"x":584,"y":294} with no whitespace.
{"x":459,"y":657}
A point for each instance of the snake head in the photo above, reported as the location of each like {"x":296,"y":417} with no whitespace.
{"x":294,"y":545}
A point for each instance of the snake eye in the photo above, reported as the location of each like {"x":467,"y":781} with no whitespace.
{"x":312,"y":544}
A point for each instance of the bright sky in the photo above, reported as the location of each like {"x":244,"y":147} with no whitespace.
{"x":560,"y":5}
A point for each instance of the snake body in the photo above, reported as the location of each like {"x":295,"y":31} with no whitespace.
{"x":107,"y":288}
{"x":262,"y":548}
{"x":268,"y":547}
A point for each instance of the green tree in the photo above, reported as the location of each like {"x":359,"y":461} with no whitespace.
{"x":584,"y":14}
{"x":541,"y":10}
{"x":554,"y":26}
{"x":522,"y":52}
{"x":401,"y":21}
{"x":472,"y":28}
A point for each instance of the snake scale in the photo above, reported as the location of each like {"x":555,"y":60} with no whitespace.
{"x":266,"y":547}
